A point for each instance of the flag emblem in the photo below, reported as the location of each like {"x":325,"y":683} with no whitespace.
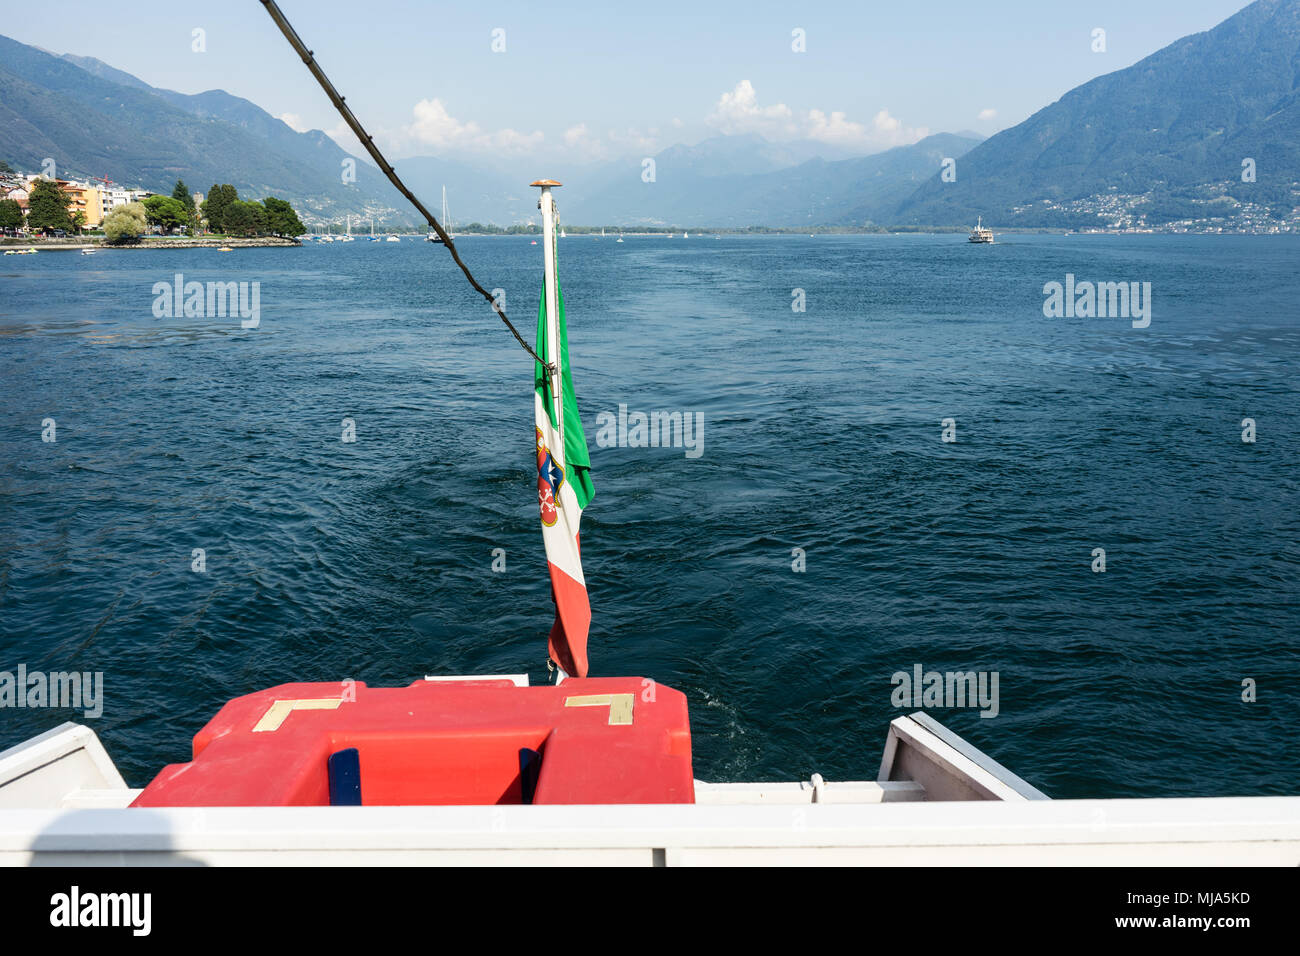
{"x":550,"y":477}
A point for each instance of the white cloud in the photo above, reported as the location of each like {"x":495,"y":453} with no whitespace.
{"x":835,"y":129}
{"x":293,"y":121}
{"x":433,"y":126}
{"x":575,"y":135}
{"x":342,"y":134}
{"x":988,"y":114}
{"x":739,"y":112}
{"x":579,"y":138}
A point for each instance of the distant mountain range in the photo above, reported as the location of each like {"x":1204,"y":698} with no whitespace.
{"x":1171,"y":131}
{"x":688,"y":187}
{"x":1161,"y":142}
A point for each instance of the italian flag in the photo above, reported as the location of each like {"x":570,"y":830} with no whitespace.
{"x":563,"y":489}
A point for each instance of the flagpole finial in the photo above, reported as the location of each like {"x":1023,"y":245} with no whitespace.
{"x":545,"y":182}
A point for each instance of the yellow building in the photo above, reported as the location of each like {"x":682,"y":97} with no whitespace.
{"x":85,"y":200}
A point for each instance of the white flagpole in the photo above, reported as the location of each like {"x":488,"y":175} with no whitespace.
{"x":547,"y":204}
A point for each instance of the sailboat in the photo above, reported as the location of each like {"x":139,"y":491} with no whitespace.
{"x":620,"y":238}
{"x":562,"y":234}
{"x":446,"y":222}
{"x":685,"y":234}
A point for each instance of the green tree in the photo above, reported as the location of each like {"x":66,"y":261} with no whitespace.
{"x":281,"y":220}
{"x":181,"y":193}
{"x":5,"y":167}
{"x":166,"y":212}
{"x":125,"y":223}
{"x":11,"y":214}
{"x":216,"y":205}
{"x":47,"y":206}
{"x":245,"y":218}
{"x":78,"y":220}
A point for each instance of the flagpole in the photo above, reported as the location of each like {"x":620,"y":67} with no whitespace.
{"x":547,"y":204}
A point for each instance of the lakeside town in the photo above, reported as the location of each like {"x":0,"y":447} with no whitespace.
{"x":39,"y":207}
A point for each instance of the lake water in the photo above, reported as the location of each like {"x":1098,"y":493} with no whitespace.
{"x":372,"y":560}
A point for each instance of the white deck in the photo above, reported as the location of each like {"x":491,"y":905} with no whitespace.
{"x":938,"y":801}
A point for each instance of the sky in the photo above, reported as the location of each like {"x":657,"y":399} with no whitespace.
{"x":593,"y":81}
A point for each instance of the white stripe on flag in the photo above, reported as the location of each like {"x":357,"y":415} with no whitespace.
{"x":561,"y":538}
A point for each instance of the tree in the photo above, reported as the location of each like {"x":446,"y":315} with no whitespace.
{"x":5,"y":167}
{"x":47,"y":206}
{"x":78,"y":220}
{"x":11,"y":214}
{"x":215,"y":206}
{"x":181,"y":194}
{"x":245,"y":218}
{"x":281,"y":220}
{"x":166,"y":212}
{"x":125,"y":223}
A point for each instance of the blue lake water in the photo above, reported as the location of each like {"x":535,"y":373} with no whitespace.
{"x":372,"y":560}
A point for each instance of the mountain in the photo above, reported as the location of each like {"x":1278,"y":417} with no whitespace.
{"x":94,"y":120}
{"x":743,"y":181}
{"x":1164,"y":139}
{"x":1161,"y":142}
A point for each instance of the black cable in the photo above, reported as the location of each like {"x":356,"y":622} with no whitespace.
{"x":368,"y":142}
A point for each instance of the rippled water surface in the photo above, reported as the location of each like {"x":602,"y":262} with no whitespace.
{"x":372,"y":560}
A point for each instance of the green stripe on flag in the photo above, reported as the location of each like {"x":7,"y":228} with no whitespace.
{"x":577,"y":459}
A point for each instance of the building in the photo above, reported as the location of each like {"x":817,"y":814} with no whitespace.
{"x":85,"y":199}
{"x":18,"y":194}
{"x":112,"y":195}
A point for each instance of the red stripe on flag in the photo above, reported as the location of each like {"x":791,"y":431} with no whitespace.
{"x":568,"y":641}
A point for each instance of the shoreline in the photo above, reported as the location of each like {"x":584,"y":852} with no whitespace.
{"x":201,"y":242}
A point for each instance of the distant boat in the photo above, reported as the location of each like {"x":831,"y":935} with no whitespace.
{"x":87,"y":252}
{"x":533,"y":243}
{"x":392,"y":239}
{"x":619,"y":239}
{"x":562,"y":235}
{"x":685,"y":235}
{"x":225,"y":249}
{"x":602,"y":232}
{"x":980,"y":233}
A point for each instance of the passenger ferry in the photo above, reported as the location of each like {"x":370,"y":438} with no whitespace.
{"x":980,"y":233}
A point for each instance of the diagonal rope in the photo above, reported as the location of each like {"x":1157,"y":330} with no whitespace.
{"x":366,"y":140}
